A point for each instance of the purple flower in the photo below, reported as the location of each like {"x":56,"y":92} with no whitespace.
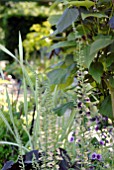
{"x":80,"y":105}
{"x":88,"y":113}
{"x":93,"y":119}
{"x":99,"y":157}
{"x":105,"y":119}
{"x":71,"y":137}
{"x":110,"y":130}
{"x":93,"y":156}
{"x":101,"y":142}
{"x":87,"y":100}
{"x":103,"y":135}
{"x":91,"y":168}
{"x":97,"y":120}
{"x":96,"y":128}
{"x":107,"y":141}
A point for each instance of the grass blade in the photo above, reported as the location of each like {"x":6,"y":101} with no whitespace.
{"x":20,"y":49}
{"x":14,"y":144}
{"x":6,"y":123}
{"x":8,"y":52}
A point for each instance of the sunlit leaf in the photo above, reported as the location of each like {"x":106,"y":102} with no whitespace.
{"x":97,"y":15}
{"x":4,"y":49}
{"x":20,"y":48}
{"x":53,"y":6}
{"x":86,"y":4}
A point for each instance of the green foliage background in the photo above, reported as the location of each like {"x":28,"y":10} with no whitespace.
{"x":81,"y":70}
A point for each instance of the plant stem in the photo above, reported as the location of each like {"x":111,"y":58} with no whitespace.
{"x":112,"y":99}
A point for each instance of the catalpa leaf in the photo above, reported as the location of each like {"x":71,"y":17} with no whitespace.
{"x":106,"y":107}
{"x":100,"y":44}
{"x":86,"y":4}
{"x":58,"y":76}
{"x":63,"y":44}
{"x":87,"y":57}
{"x":97,"y":15}
{"x":96,"y":71}
{"x":69,"y":16}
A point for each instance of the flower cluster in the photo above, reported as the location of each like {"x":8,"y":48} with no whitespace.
{"x":97,"y":159}
{"x":101,"y":122}
{"x":95,"y":156}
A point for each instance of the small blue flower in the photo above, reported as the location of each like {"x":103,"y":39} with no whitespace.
{"x":93,"y":156}
{"x":97,"y":128}
{"x":99,"y":157}
{"x":101,"y":142}
{"x":71,"y":137}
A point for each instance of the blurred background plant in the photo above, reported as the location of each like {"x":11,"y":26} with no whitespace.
{"x":35,"y":40}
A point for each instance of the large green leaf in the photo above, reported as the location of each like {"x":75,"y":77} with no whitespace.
{"x":69,"y":16}
{"x":106,"y":107}
{"x":63,"y":44}
{"x":87,"y":57}
{"x":99,"y":44}
{"x":97,"y":15}
{"x":110,"y":59}
{"x":86,"y":4}
{"x":58,"y":76}
{"x":96,"y":70}
{"x":62,"y":109}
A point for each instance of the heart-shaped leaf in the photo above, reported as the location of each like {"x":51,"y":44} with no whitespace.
{"x":97,"y":15}
{"x":106,"y":107}
{"x":69,"y":16}
{"x":96,"y":70}
{"x":99,"y":44}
